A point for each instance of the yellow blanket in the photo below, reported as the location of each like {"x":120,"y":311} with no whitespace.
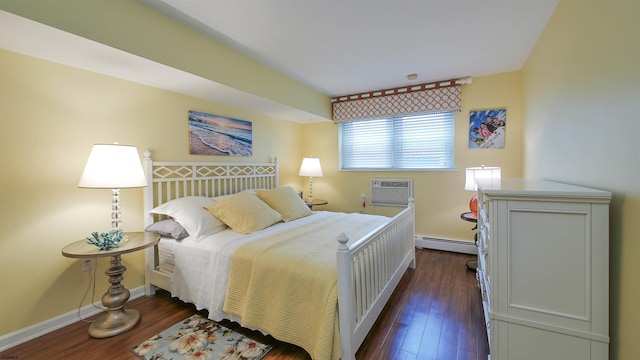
{"x":287,"y":286}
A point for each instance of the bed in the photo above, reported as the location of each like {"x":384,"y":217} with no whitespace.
{"x":359,"y":259}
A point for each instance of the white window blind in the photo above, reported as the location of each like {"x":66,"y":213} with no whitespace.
{"x":400,"y":143}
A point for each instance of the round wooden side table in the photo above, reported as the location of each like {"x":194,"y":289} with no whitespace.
{"x":117,"y":320}
{"x":315,"y":202}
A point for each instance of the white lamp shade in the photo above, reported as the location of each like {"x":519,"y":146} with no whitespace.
{"x":310,"y":167}
{"x":113,"y":166}
{"x":482,"y":172}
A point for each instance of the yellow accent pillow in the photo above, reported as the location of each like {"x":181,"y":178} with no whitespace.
{"x":286,"y":201}
{"x":244,"y":213}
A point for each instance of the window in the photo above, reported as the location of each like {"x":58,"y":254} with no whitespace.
{"x":415,"y":142}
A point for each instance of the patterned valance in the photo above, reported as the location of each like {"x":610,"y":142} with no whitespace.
{"x":420,"y":99}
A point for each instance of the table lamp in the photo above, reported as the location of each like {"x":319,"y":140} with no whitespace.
{"x":115,"y":167}
{"x":310,"y":167}
{"x":474,"y":173}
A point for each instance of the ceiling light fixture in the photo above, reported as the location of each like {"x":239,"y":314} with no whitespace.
{"x":412,"y":76}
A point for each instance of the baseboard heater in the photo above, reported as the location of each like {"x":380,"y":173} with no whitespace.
{"x":457,"y":246}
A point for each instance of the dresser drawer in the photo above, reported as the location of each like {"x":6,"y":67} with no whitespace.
{"x":484,"y":283}
{"x":483,"y":237}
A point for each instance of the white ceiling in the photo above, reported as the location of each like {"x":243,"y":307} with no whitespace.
{"x":338,"y":47}
{"x":343,"y":47}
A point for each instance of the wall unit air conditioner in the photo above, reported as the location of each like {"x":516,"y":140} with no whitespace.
{"x":391,"y":192}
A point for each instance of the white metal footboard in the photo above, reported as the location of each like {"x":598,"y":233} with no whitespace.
{"x":368,"y":272}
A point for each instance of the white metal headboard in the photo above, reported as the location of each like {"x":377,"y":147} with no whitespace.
{"x":171,"y":180}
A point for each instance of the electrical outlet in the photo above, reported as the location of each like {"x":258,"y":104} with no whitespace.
{"x":86,"y":265}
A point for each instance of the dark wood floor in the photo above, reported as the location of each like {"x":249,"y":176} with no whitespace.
{"x":435,"y":313}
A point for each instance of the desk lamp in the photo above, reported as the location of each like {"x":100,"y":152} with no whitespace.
{"x":474,"y":173}
{"x":115,"y":167}
{"x":310,"y":167}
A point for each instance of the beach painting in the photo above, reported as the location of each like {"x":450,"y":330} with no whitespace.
{"x":487,"y":128}
{"x":219,"y":135}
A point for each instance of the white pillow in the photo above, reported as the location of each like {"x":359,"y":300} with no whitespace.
{"x":190,"y":213}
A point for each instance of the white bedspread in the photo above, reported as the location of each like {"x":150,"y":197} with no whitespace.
{"x":202,"y":268}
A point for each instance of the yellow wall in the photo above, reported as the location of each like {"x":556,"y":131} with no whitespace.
{"x":439,"y":195}
{"x":581,"y":87}
{"x":138,"y":29}
{"x":51,"y":115}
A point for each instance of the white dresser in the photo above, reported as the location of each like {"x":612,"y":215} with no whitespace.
{"x":543,"y":269}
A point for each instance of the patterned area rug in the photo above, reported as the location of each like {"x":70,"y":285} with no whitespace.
{"x":200,"y":338}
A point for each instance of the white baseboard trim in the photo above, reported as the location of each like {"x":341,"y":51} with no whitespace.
{"x":18,"y":337}
{"x":458,"y":246}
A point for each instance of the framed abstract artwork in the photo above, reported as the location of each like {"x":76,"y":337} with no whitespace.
{"x":219,"y":135}
{"x":487,"y":128}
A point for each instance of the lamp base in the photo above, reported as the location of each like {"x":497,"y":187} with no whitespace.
{"x":473,"y":204}
{"x":116,"y":215}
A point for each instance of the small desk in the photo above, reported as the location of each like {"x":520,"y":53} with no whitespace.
{"x":315,"y":202}
{"x":117,"y":320}
{"x":471,"y":216}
